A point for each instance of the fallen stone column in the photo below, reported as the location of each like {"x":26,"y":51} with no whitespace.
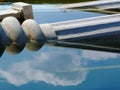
{"x":97,"y":33}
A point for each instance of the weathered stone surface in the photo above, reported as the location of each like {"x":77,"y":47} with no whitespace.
{"x":33,"y":31}
{"x":25,"y":8}
{"x":13,"y":30}
{"x":9,"y":12}
{"x":20,"y":10}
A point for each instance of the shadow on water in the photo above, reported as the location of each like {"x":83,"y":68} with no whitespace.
{"x":2,"y":50}
{"x":105,"y":47}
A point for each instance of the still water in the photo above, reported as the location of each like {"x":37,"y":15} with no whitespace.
{"x":57,"y":68}
{"x":48,"y":1}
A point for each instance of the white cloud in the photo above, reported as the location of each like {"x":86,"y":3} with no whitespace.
{"x":52,"y":67}
{"x":55,"y":66}
{"x":98,"y":56}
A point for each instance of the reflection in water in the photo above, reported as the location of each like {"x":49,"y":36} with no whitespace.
{"x":58,"y":66}
{"x":45,"y":67}
{"x":2,"y":41}
{"x":33,"y":46}
{"x":14,"y":48}
{"x":1,"y":50}
{"x":65,"y":68}
{"x":98,"y":56}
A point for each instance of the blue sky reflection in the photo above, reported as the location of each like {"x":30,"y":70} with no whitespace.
{"x":59,"y":67}
{"x":56,"y":66}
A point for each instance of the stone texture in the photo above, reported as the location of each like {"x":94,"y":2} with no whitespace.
{"x":25,"y":8}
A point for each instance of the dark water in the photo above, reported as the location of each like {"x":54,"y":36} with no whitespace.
{"x":56,"y":68}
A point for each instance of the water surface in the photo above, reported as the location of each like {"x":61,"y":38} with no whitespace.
{"x":48,"y":1}
{"x":57,"y":68}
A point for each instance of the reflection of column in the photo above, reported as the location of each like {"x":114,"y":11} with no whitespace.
{"x":2,"y":41}
{"x":33,"y":45}
{"x":14,"y":48}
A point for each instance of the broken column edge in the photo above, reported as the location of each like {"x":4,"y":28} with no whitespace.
{"x":24,"y":8}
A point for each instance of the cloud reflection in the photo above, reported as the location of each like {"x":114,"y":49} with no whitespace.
{"x":98,"y":56}
{"x":45,"y":67}
{"x":56,"y":67}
